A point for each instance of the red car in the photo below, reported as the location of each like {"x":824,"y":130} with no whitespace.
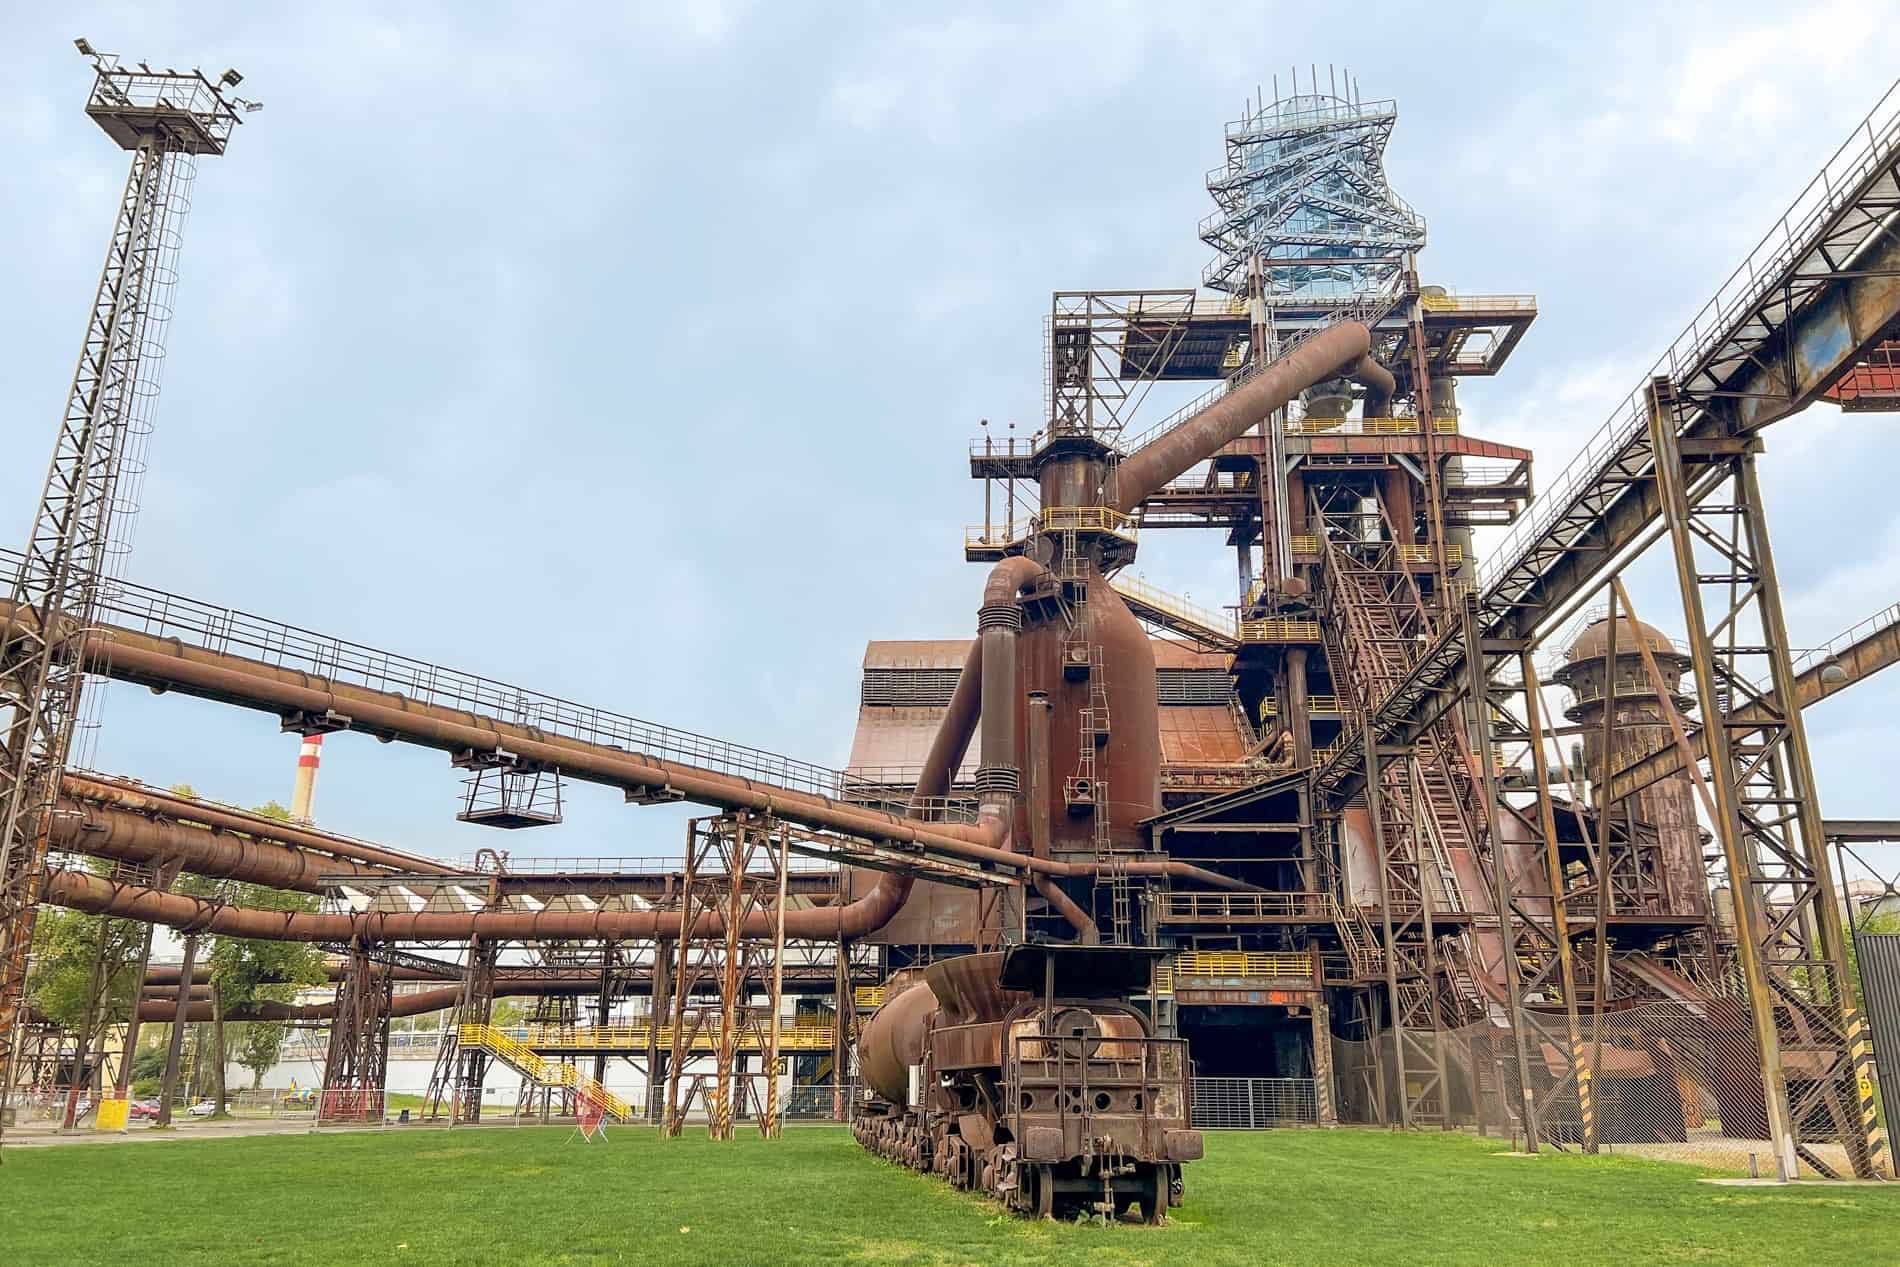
{"x":143,"y":1109}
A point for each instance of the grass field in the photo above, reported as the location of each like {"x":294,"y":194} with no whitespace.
{"x":526,"y":1197}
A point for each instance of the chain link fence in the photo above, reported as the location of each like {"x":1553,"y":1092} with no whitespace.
{"x":1664,"y":1080}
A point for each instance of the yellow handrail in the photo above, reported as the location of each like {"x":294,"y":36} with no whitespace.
{"x":1279,"y":629}
{"x":1243,"y":963}
{"x":533,"y":1066}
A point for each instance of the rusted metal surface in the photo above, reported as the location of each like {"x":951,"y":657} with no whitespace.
{"x":1196,"y":439}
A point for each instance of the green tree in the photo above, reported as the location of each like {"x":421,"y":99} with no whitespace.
{"x":257,"y":1044}
{"x":1877,"y":922}
{"x":247,"y":971}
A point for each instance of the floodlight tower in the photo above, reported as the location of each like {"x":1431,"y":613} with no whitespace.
{"x":166,"y":119}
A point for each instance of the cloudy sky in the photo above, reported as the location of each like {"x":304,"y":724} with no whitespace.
{"x":632,"y":357}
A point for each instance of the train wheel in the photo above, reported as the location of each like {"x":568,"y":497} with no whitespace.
{"x":1154,"y":1195}
{"x":1044,"y":1180}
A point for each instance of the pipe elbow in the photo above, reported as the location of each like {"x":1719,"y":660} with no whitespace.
{"x":1378,"y":381}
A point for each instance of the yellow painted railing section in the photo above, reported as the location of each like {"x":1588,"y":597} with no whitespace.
{"x":512,"y":1052}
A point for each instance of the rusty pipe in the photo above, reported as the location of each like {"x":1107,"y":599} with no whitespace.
{"x":998,"y":621}
{"x":1379,"y":384}
{"x":99,"y":895}
{"x":1200,"y":437}
{"x":125,"y":836}
{"x":132,"y":656}
{"x":1052,"y":892}
{"x":150,"y":801}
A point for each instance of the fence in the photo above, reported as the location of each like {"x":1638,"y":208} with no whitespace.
{"x":1253,"y":1103}
{"x":1669,"y":1081}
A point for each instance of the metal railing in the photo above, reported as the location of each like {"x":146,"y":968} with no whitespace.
{"x":1378,"y":426}
{"x":1243,"y":963}
{"x":1279,"y":629}
{"x":228,"y":631}
{"x":1450,"y":302}
{"x":1207,"y":618}
{"x":1759,"y":272}
{"x":1226,"y":907}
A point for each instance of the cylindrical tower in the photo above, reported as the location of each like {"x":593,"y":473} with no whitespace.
{"x":1641,"y":728}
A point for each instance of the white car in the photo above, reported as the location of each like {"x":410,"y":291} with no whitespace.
{"x":204,"y":1108}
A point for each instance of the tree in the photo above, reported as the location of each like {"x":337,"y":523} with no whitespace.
{"x":246,"y":971}
{"x":257,"y":1046}
{"x":1874,"y":922}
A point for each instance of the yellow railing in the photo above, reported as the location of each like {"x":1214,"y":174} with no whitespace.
{"x":1270,"y":707}
{"x":1478,"y":303}
{"x":1279,"y":629}
{"x":1087,"y":519}
{"x":794,"y":1037}
{"x":1446,"y":426}
{"x":1233,"y":963}
{"x":1423,"y":554}
{"x":1305,"y":543}
{"x":1053,"y":519}
{"x":868,"y":997}
{"x":531,"y":1064}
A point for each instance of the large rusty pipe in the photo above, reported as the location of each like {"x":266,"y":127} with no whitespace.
{"x":998,"y":621}
{"x":1051,"y":892}
{"x":150,"y":801}
{"x":133,"y":656}
{"x":422,"y":1001}
{"x":1379,"y":384}
{"x":1327,"y":354}
{"x":124,"y":836}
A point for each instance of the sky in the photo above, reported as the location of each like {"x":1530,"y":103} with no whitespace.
{"x":632,"y":357}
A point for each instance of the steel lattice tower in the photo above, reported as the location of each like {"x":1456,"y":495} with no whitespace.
{"x":166,"y":119}
{"x":1304,"y":188}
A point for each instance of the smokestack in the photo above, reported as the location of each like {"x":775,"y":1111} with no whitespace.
{"x":309,"y":757}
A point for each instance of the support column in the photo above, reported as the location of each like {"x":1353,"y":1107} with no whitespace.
{"x":1752,"y":928}
{"x":1374,"y":812}
{"x":1480,"y":701}
{"x":1296,"y":718}
{"x":1322,"y":1017}
{"x":1559,"y":917}
{"x":176,"y":1046}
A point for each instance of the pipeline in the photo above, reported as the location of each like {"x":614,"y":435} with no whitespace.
{"x":417,"y":1004}
{"x":125,"y":836}
{"x":150,"y":801}
{"x":1198,"y":438}
{"x":1379,"y":384}
{"x":170,"y":664}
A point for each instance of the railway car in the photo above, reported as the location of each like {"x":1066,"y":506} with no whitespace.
{"x":1025,"y":1073}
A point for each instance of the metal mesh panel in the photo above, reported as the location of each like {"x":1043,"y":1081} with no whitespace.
{"x":1253,"y":1103}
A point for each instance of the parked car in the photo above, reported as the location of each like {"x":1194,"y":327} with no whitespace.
{"x":146,"y":1109}
{"x":204,"y":1108}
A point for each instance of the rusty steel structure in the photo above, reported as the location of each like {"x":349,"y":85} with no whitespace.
{"x":1328,"y":832}
{"x":166,"y":120}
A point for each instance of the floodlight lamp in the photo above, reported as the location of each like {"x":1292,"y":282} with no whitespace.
{"x":1832,"y":674}
{"x":230,"y":78}
{"x":85,"y":48}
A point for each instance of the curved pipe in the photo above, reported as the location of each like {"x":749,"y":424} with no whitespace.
{"x":1379,"y":384}
{"x":1200,"y":437}
{"x":143,"y":800}
{"x":125,"y":836}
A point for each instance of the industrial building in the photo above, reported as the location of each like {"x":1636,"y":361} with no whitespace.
{"x":1391,"y":885}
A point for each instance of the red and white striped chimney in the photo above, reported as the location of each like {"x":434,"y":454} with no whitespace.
{"x":309,"y":757}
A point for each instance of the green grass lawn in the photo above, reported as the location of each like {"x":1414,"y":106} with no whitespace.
{"x":528,"y":1196}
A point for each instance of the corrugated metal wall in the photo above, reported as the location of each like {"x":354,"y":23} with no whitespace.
{"x":1879,"y":956}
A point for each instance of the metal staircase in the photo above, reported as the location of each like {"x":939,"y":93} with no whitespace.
{"x":542,"y":1072}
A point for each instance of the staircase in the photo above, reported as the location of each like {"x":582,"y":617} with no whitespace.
{"x":530,"y":1065}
